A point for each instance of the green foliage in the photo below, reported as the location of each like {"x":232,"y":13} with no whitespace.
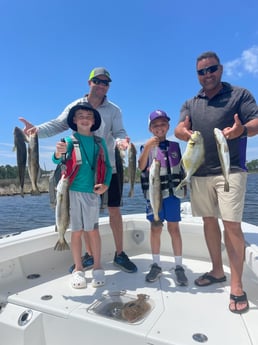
{"x":11,"y":172}
{"x":252,"y":165}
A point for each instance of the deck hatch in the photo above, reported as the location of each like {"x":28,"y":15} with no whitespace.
{"x":123,"y":307}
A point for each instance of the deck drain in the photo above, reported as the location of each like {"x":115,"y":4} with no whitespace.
{"x":46,"y":297}
{"x":200,"y":338}
{"x":138,"y":236}
{"x":25,"y":317}
{"x":33,"y":276}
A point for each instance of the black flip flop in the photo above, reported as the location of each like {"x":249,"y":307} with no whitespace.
{"x":238,"y":299}
{"x":210,"y":278}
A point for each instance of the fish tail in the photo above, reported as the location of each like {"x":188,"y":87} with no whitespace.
{"x":131,"y":193}
{"x":35,"y":192}
{"x":156,"y":222}
{"x":61,"y":245}
{"x":181,"y":184}
{"x":226,"y":186}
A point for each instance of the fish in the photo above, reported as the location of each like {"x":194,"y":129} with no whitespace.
{"x":120,"y":157}
{"x":192,"y":157}
{"x":131,"y":167}
{"x":21,"y":155}
{"x":135,"y":310}
{"x":154,"y":188}
{"x":103,"y":201}
{"x":223,"y":152}
{"x":33,"y":162}
{"x":62,"y":213}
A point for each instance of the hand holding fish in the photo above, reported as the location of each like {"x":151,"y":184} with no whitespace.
{"x":61,"y":148}
{"x":235,"y":131}
{"x":152,"y":142}
{"x":100,"y":188}
{"x":143,"y":159}
{"x":29,"y":127}
{"x":122,"y":144}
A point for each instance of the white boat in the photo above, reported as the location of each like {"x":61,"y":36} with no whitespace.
{"x":38,"y":305}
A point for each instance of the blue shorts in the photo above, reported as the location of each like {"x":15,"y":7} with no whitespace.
{"x":170,"y":210}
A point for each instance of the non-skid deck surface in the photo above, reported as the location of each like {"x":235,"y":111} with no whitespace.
{"x":178,"y":313}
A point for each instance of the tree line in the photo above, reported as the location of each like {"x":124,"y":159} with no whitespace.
{"x":11,"y":172}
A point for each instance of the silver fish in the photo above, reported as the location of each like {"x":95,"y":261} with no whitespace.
{"x":131,"y":167}
{"x":154,"y":188}
{"x":33,"y":162}
{"x":223,"y":152}
{"x":193,"y":157}
{"x":21,"y":155}
{"x":62,"y":212}
{"x":103,"y":201}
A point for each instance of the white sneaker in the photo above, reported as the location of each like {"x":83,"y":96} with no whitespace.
{"x":98,"y":278}
{"x":78,"y":280}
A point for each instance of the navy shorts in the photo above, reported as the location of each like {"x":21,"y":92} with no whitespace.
{"x":170,"y":210}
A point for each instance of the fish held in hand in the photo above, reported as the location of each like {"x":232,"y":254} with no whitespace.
{"x":131,"y":167}
{"x":154,"y":188}
{"x":193,"y":157}
{"x":119,"y":158}
{"x":62,"y":212}
{"x":33,"y":162}
{"x":21,"y":155}
{"x":224,"y":157}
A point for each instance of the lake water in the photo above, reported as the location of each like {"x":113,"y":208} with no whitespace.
{"x":31,"y":212}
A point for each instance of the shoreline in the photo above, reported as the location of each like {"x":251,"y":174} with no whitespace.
{"x":11,"y":187}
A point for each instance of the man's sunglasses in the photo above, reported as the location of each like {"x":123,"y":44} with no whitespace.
{"x":98,"y":81}
{"x":210,"y":69}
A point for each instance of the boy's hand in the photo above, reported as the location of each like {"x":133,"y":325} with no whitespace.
{"x":152,"y":142}
{"x":100,"y":188}
{"x":61,"y":148}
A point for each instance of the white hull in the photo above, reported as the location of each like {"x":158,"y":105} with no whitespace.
{"x":48,"y":311}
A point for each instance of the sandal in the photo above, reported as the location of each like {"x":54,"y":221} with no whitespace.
{"x":239,"y":300}
{"x":98,"y":276}
{"x":78,"y":280}
{"x":207,"y":279}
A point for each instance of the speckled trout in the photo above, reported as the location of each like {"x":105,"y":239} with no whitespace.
{"x":21,"y":154}
{"x":193,"y":157}
{"x":154,"y":188}
{"x":62,"y":212}
{"x":131,"y":167}
{"x":33,"y":162}
{"x":224,"y":157}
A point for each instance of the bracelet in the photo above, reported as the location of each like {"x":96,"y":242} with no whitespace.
{"x":244,"y":134}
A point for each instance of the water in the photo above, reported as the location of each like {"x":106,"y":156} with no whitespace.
{"x":31,"y":212}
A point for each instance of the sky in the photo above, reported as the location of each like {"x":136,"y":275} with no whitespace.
{"x":48,"y":49}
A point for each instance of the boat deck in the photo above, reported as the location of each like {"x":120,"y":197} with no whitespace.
{"x":179,"y":315}
{"x":38,"y":305}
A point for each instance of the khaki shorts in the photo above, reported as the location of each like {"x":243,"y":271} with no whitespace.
{"x":208,"y":198}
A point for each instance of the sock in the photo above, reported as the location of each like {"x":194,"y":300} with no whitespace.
{"x":178,"y":260}
{"x":156,"y":258}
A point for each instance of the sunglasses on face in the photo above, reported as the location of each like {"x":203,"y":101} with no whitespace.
{"x":98,"y":81}
{"x":206,"y":70}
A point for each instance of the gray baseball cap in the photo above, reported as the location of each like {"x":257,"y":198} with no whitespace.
{"x":99,"y":71}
